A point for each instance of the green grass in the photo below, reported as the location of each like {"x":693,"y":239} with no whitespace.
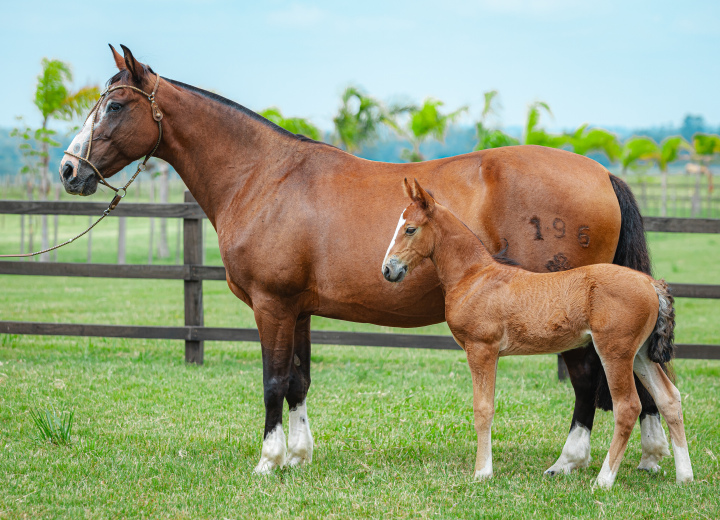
{"x":155,"y":438}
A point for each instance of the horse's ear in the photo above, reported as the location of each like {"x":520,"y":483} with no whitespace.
{"x":424,"y":198}
{"x":119,"y":60}
{"x":135,"y":68}
{"x":408,"y":189}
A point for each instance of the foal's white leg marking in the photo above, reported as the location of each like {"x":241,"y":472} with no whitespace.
{"x":575,"y":453}
{"x":392,"y":243}
{"x":683,"y":467}
{"x":300,"y":441}
{"x":487,"y":471}
{"x":606,"y":478}
{"x":654,"y":443}
{"x":273,"y":452}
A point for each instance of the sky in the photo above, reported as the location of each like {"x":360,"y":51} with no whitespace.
{"x":610,"y":63}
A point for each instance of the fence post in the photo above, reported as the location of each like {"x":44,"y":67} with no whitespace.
{"x":192,"y":254}
{"x":562,"y":369}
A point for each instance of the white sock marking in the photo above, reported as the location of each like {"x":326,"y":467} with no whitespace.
{"x":300,"y":440}
{"x":654,"y":443}
{"x":273,"y":451}
{"x":575,"y":453}
{"x":606,"y":478}
{"x":487,"y":471}
{"x":683,"y":467}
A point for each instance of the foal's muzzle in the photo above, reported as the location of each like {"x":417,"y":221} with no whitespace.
{"x":394,"y":270}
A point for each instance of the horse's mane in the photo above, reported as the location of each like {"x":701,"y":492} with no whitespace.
{"x":125,"y":75}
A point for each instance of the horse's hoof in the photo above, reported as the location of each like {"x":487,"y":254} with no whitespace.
{"x":684,"y":479}
{"x":298,"y":460}
{"x":550,"y":472}
{"x":649,"y":467}
{"x":266,"y":466}
{"x":603,"y":483}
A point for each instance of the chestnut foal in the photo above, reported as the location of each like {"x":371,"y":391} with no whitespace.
{"x":494,"y":309}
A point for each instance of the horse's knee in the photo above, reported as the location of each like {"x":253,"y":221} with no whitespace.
{"x":483,"y":415}
{"x":275,"y":389}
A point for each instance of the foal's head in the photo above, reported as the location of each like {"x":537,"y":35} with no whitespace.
{"x":414,"y":240}
{"x":123,"y":132}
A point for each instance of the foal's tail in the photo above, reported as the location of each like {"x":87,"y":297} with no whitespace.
{"x":662,"y":347}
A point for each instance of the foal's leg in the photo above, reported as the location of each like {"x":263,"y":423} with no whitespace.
{"x":277,"y":328}
{"x":583,"y":366}
{"x":300,"y":440}
{"x":667,"y":398}
{"x":483,"y":367}
{"x":626,"y":409}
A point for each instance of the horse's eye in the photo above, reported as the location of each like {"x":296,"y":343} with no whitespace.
{"x":410,"y":231}
{"x":114,"y":107}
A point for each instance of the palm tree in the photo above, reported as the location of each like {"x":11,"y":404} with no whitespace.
{"x":705,"y":148}
{"x":536,"y":135}
{"x":296,"y":125}
{"x":670,"y":148}
{"x":427,"y":121}
{"x":638,"y":149}
{"x":359,"y":119}
{"x":584,"y":142}
{"x":55,"y":100}
{"x":491,"y":137}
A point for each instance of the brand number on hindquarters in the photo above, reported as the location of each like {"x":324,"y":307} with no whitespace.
{"x":560,"y":230}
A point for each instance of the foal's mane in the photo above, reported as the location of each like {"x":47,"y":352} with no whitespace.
{"x":125,"y":75}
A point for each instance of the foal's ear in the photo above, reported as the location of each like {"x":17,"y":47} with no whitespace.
{"x":408,"y":189}
{"x":424,"y":198}
{"x":135,"y":68}
{"x":119,"y":60}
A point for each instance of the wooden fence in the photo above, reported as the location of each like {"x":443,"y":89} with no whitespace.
{"x":192,"y":272}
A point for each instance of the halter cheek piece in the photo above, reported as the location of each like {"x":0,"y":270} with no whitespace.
{"x":157,"y":116}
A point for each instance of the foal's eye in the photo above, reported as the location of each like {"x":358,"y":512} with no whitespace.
{"x":410,"y":231}
{"x":114,"y":107}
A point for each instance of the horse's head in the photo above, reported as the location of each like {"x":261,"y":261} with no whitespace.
{"x":413,"y":240}
{"x":121,"y":128}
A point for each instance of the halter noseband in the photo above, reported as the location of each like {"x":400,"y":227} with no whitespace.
{"x":157,"y":116}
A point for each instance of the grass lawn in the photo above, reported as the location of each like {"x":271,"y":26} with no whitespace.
{"x":154,"y":438}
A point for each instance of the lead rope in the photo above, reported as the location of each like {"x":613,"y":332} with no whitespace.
{"x":157,"y":116}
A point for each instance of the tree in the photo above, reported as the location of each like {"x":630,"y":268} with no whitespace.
{"x":637,"y":149}
{"x":55,"y":100}
{"x":705,"y":148}
{"x":359,"y":119}
{"x":536,"y":135}
{"x":670,"y":148}
{"x":296,"y":125}
{"x":584,"y":142}
{"x":488,"y":137}
{"x":427,"y":121}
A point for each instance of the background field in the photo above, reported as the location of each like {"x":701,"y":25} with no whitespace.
{"x":393,"y":428}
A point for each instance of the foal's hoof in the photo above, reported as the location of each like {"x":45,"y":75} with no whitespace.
{"x":604,"y":482}
{"x":295,"y":460}
{"x":483,"y":474}
{"x":684,"y":479}
{"x":650,"y":467}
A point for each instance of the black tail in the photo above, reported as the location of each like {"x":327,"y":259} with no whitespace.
{"x":662,"y":346}
{"x":632,"y":248}
{"x":632,"y":252}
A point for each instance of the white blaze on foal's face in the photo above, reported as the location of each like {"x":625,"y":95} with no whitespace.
{"x":400,"y":224}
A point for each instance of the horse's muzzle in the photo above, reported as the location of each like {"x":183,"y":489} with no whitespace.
{"x":394,"y":271}
{"x":75,"y":181}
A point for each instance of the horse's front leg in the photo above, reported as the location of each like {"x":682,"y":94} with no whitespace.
{"x":276,"y":325}
{"x":300,"y":440}
{"x":483,"y":367}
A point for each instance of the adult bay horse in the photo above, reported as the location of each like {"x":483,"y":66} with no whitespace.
{"x":496,"y":310}
{"x":286,"y":210}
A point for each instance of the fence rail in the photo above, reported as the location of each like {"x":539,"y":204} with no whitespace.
{"x":193,"y":273}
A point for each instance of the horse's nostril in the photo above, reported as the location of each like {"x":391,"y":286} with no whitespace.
{"x":67,"y":171}
{"x":386,"y":271}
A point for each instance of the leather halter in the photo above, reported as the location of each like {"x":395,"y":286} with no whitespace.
{"x":157,"y":116}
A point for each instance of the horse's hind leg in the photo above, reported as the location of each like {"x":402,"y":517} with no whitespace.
{"x":626,"y":409}
{"x":667,"y":397}
{"x":583,"y":366}
{"x":300,"y":440}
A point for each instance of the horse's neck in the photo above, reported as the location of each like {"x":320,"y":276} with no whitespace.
{"x":458,"y":252}
{"x":216,"y":149}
